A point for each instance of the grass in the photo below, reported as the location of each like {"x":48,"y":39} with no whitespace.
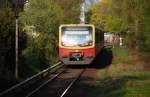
{"x":126,"y":77}
{"x":122,"y":56}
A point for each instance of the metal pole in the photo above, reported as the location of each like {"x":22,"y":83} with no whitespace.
{"x":16,"y":50}
{"x":82,"y":14}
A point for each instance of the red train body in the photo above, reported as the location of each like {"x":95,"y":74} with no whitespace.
{"x":78,"y":43}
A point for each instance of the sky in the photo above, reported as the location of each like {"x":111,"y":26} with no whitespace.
{"x":89,"y":1}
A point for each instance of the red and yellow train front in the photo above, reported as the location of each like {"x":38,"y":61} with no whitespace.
{"x":77,"y":44}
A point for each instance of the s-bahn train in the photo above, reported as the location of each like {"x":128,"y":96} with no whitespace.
{"x":79,"y":43}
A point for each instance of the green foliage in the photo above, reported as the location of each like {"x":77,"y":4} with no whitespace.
{"x":7,"y":40}
{"x":130,"y":17}
{"x":130,"y":40}
{"x":42,"y":19}
{"x":114,"y":24}
{"x":103,"y":17}
{"x":45,"y":17}
{"x":7,"y":27}
{"x":97,"y":15}
{"x":34,"y":57}
{"x":42,"y":14}
{"x":122,"y":56}
{"x":70,"y":10}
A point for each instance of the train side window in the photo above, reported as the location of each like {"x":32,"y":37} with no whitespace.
{"x":99,"y":36}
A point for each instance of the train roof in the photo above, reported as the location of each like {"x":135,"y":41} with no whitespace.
{"x":77,"y":25}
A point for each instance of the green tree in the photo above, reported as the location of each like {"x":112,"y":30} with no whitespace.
{"x":70,"y":10}
{"x":130,"y":17}
{"x":97,"y":14}
{"x":44,"y":18}
{"x":7,"y":44}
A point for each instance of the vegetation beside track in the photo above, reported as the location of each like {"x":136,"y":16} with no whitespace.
{"x":127,"y":76}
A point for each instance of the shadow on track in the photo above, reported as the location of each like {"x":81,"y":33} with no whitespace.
{"x":78,"y":66}
{"x":103,"y":59}
{"x":104,"y":88}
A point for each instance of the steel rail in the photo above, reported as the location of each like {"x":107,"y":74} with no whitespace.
{"x":72,"y":83}
{"x":44,"y":84}
{"x":29,"y":79}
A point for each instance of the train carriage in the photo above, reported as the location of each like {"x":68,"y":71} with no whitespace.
{"x":78,"y":43}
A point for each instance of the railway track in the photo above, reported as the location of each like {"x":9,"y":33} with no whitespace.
{"x":72,"y":83}
{"x":59,"y":85}
{"x":23,"y":87}
{"x":61,"y":78}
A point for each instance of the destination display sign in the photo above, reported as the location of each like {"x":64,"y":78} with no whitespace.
{"x":76,"y":32}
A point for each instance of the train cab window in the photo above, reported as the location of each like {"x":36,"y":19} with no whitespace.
{"x":76,"y":36}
